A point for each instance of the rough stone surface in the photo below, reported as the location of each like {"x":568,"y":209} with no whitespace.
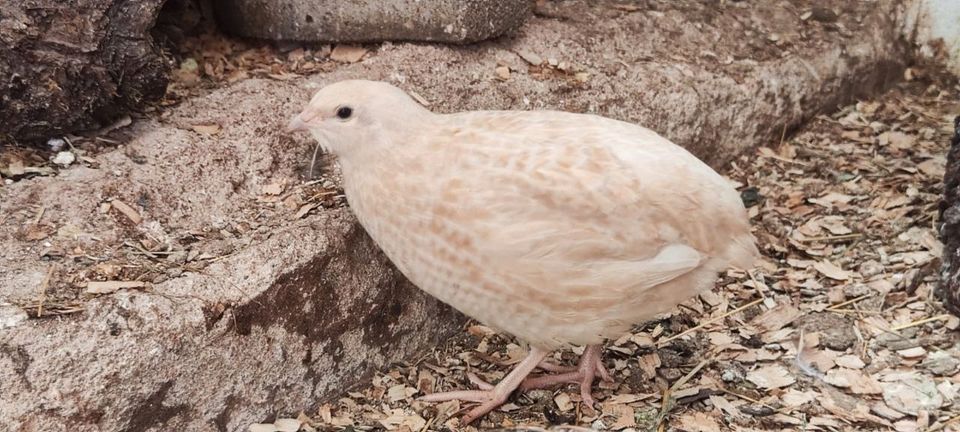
{"x":71,"y":65}
{"x":372,"y":20}
{"x":291,"y":311}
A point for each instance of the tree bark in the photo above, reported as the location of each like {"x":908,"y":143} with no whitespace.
{"x":67,"y":65}
{"x":950,"y":228}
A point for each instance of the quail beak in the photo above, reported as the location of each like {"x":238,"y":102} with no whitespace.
{"x":297,"y":124}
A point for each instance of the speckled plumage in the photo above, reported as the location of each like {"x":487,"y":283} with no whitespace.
{"x":558,"y":228}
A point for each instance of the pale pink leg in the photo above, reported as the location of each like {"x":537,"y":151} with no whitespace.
{"x":555,"y":368}
{"x":590,"y":366}
{"x":492,"y":398}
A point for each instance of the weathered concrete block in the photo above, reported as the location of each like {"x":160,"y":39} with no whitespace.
{"x":372,"y":20}
{"x":285,"y":314}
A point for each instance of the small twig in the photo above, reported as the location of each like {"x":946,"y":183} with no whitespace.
{"x":757,"y":285}
{"x":832,"y":238}
{"x":853,"y":300}
{"x":428,"y":424}
{"x":751,"y":400}
{"x":683,"y":380}
{"x":36,"y":221}
{"x":853,"y":311}
{"x":667,"y":401}
{"x":783,"y":159}
{"x":944,"y":424}
{"x":43,"y":290}
{"x":141,"y":249}
{"x":708,"y":322}
{"x":70,"y":143}
{"x":920,"y":322}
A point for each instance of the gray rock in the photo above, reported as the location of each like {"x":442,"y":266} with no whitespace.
{"x":371,"y":20}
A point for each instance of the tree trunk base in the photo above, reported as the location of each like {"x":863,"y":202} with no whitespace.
{"x":950,"y":228}
{"x":67,"y":66}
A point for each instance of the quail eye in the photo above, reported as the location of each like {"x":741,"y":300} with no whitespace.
{"x":344,"y":112}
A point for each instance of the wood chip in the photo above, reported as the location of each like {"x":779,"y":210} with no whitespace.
{"x":108,"y":287}
{"x":777,"y":318}
{"x":771,"y":377}
{"x":563,"y":402}
{"x":272,"y":189}
{"x":503,"y":73}
{"x":206,"y":129}
{"x":129,"y":212}
{"x":914,"y":352}
{"x":347,"y":53}
{"x":697,"y":422}
{"x":831,"y":270}
{"x":857,"y":381}
{"x":624,"y":415}
{"x":849,"y":362}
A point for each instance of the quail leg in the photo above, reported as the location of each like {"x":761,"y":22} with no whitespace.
{"x":491,"y":398}
{"x":590,"y":366}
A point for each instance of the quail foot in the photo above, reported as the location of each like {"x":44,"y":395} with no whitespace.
{"x":561,"y":229}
